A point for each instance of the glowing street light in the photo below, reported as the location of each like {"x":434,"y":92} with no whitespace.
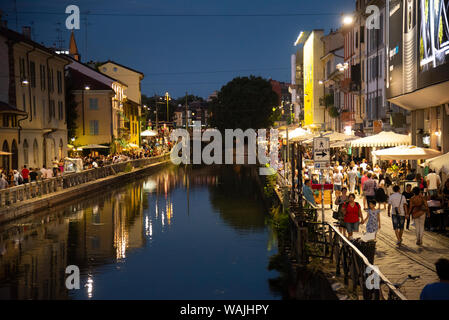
{"x":348,"y":20}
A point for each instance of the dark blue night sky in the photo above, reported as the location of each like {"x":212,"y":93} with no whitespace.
{"x":184,"y":53}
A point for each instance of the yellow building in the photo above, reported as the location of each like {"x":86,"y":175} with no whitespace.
{"x":35,"y":85}
{"x":93,"y":103}
{"x":313,"y":74}
{"x":132,"y":107}
{"x":117,"y":102}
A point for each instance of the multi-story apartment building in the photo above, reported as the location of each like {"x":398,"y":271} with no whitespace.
{"x":333,"y":62}
{"x":91,"y":91}
{"x":36,"y":87}
{"x":133,"y":101}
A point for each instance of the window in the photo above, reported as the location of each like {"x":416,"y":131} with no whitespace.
{"x":36,"y":153}
{"x":5,"y":121}
{"x":51,"y":86}
{"x":22,"y":68}
{"x":42,"y":69}
{"x":93,"y":103}
{"x":51,"y":110}
{"x":34,"y":106}
{"x":33,"y":74}
{"x":93,"y":127}
{"x":25,"y":152}
{"x":59,"y":79}
{"x":60,"y":110}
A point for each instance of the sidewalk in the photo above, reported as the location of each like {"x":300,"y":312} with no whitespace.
{"x":397,"y":262}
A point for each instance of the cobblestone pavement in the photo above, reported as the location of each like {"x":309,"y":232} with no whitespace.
{"x":396,"y":262}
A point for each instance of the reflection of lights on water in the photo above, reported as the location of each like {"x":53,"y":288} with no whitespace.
{"x":90,"y":286}
{"x":148,"y":227}
{"x":162,"y":218}
{"x":169,"y":210}
{"x":150,"y":186}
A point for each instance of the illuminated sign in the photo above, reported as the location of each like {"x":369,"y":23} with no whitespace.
{"x":308,"y":80}
{"x":418,"y":45}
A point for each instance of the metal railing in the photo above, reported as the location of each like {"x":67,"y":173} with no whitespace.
{"x":330,"y":244}
{"x":43,"y":187}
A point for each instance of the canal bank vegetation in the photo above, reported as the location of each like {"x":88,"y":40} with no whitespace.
{"x":314,"y":281}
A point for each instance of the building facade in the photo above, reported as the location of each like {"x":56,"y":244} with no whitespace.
{"x":132,"y":106}
{"x":36,"y":86}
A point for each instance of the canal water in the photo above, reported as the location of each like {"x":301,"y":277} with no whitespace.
{"x":180,"y":233}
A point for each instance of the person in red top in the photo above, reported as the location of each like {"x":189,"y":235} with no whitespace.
{"x":25,"y":174}
{"x":352,"y":215}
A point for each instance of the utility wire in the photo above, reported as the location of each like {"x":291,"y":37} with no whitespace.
{"x":187,"y":14}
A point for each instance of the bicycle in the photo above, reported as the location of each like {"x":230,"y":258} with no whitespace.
{"x":398,"y":286}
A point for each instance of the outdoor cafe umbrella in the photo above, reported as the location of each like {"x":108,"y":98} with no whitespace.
{"x":148,"y":133}
{"x":406,"y":153}
{"x":382,"y":139}
{"x":94,"y":146}
{"x":438,"y":164}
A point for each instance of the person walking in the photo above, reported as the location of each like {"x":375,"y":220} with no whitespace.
{"x":438,"y":290}
{"x":352,"y":179}
{"x":373,"y":218}
{"x":308,"y":193}
{"x":398,"y":203}
{"x":369,"y":188}
{"x":337,"y":180}
{"x":433,"y":183}
{"x":381,"y":193}
{"x":339,"y":202}
{"x":352,"y":215}
{"x":408,"y":194}
{"x":418,"y":210}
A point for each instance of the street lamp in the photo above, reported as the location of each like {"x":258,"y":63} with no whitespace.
{"x":167,"y":98}
{"x":348,"y":20}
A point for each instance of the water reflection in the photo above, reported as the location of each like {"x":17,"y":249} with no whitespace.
{"x":144,"y":224}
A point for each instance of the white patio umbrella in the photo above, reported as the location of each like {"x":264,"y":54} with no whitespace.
{"x":148,"y":133}
{"x":336,"y":136}
{"x":299,"y":134}
{"x":94,"y":146}
{"x":438,"y":164}
{"x":383,"y":139}
{"x":406,"y":153}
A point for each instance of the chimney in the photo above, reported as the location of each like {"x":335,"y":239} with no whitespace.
{"x":26,"y":31}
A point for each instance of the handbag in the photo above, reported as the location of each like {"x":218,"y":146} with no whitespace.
{"x":422,"y":209}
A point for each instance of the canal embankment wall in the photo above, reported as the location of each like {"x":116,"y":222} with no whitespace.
{"x":34,"y":197}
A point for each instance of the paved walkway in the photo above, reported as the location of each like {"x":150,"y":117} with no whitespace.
{"x":396,"y":262}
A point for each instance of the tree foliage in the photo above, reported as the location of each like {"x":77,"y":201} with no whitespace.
{"x":245,"y":102}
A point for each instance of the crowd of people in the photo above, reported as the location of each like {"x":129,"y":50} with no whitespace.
{"x":11,"y":178}
{"x":399,"y":190}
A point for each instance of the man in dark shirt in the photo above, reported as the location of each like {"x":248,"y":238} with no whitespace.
{"x":438,"y":290}
{"x":411,"y":175}
{"x":408,"y":194}
{"x":33,"y":175}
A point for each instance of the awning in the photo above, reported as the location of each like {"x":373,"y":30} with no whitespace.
{"x":335,"y":136}
{"x":406,"y":153}
{"x":383,"y":139}
{"x":299,"y":134}
{"x":438,"y":164}
{"x":148,"y":133}
{"x":93,"y":146}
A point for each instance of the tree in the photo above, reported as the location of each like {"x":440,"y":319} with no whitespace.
{"x":244,"y":102}
{"x":161,"y":108}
